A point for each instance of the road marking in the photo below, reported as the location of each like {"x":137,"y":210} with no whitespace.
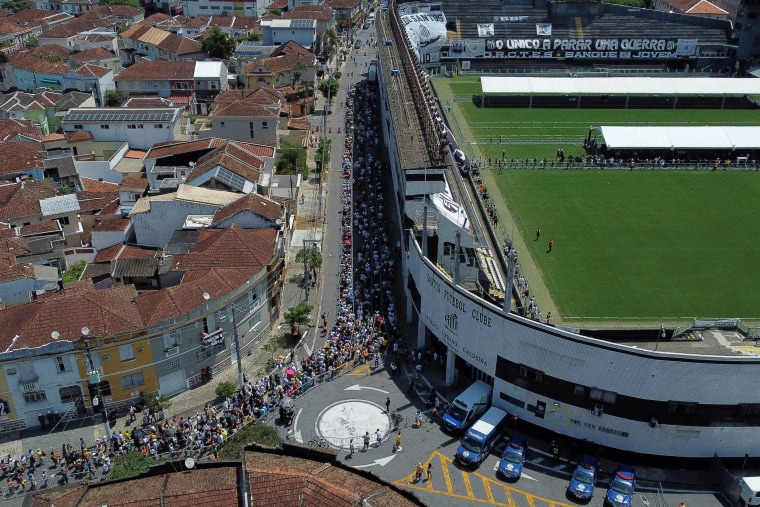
{"x":488,"y":483}
{"x":361,"y":371}
{"x":357,"y":387}
{"x":297,"y":433}
{"x":526,"y":476}
{"x":467,"y":485}
{"x":380,"y":461}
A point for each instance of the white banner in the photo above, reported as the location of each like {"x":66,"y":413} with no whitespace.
{"x":485,"y":30}
{"x":543,"y":29}
{"x":427,"y":34}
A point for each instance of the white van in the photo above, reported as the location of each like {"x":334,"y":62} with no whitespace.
{"x":371,"y":18}
{"x":750,"y":490}
{"x":467,"y":407}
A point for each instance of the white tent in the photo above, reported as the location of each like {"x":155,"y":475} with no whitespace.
{"x":626,"y":138}
{"x":666,"y":86}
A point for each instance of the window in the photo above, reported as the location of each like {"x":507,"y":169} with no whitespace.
{"x":105,"y":127}
{"x":213,"y":86}
{"x":211,"y":351}
{"x":264,"y":125}
{"x":681,"y":407}
{"x":61,"y":364}
{"x":172,"y":339}
{"x":78,"y":127}
{"x":749,"y":409}
{"x":173,"y":364}
{"x":126,"y":353}
{"x":221,"y":124}
{"x":602,"y":395}
{"x":64,"y":221}
{"x":158,"y":125}
{"x":251,"y":129}
{"x":132,"y":126}
{"x":133,"y":380}
{"x":70,"y":394}
{"x":35,"y":397}
{"x":531,"y":374}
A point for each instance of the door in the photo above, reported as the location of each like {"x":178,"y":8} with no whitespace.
{"x":173,"y":383}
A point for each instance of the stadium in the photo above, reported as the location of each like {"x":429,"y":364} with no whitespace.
{"x":645,"y":338}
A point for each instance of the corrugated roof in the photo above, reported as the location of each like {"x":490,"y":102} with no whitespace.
{"x":59,"y":204}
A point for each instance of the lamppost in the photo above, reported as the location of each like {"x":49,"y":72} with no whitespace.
{"x":660,"y":335}
{"x":93,"y":377}
{"x":235,"y":335}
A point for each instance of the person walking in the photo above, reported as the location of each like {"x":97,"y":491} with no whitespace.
{"x":551,"y":245}
{"x":366,"y":440}
{"x":388,"y":404}
{"x":397,"y":445}
{"x":538,"y":233}
{"x":418,"y":472}
{"x":351,"y":448}
{"x":379,"y":437}
{"x":429,"y":471}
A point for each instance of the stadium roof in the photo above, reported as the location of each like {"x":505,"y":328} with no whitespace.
{"x":619,"y":86}
{"x":621,"y":138}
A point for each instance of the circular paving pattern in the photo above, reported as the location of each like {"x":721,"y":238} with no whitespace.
{"x":342,"y":421}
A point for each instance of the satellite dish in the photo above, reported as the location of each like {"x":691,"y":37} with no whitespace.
{"x":55,"y":335}
{"x":190,"y":463}
{"x":85,"y":331}
{"x":278,"y":221}
{"x":206,"y":296}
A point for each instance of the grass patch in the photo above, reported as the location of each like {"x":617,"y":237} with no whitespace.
{"x":642,"y":244}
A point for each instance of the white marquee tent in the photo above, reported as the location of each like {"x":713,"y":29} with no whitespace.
{"x":625,"y":86}
{"x":679,"y":138}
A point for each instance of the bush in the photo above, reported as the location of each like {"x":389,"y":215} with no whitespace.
{"x":129,"y":465}
{"x":74,"y":272}
{"x":256,"y":433}
{"x":225,"y":389}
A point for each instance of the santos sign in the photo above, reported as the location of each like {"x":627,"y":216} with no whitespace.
{"x":591,"y":48}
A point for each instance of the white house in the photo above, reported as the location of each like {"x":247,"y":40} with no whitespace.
{"x":141,"y":128}
{"x":279,"y":31}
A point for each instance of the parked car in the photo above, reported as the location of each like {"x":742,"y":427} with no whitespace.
{"x":622,"y":487}
{"x":584,"y":478}
{"x":511,"y":463}
{"x":358,"y":44}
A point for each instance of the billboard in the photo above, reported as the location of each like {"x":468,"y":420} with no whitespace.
{"x":551,"y":48}
{"x":426,"y":32}
{"x":467,"y":48}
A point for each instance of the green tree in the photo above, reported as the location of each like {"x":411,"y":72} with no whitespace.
{"x":150,"y":400}
{"x":3,"y":57}
{"x":74,"y":272}
{"x":329,"y":87}
{"x":275,"y":12}
{"x":257,"y":433}
{"x":131,"y":3}
{"x":15,"y":5}
{"x":275,"y":343}
{"x":218,"y":44}
{"x":224,"y":14}
{"x":292,"y":158}
{"x":129,"y":465}
{"x":298,"y":71}
{"x":297,"y":316}
{"x":112,"y":98}
{"x":224,"y":389}
{"x":31,"y":42}
{"x":311,"y":256}
{"x":322,"y":154}
{"x":254,"y":37}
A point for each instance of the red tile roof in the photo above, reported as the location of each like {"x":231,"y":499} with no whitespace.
{"x":158,"y":70}
{"x":173,"y":148}
{"x":95,"y":201}
{"x":34,"y":64}
{"x":78,"y":136}
{"x":148,"y":101}
{"x":74,"y":27}
{"x":93,"y":55}
{"x":49,"y":51}
{"x":93,"y":185}
{"x":233,"y":158}
{"x":319,"y":12}
{"x":134,"y":182}
{"x":9,"y":129}
{"x":90,"y":70}
{"x":115,"y":224}
{"x":343,"y":4}
{"x":17,"y":157}
{"x":282,"y":59}
{"x":254,"y":203}
{"x":178,"y":45}
{"x":40,"y":228}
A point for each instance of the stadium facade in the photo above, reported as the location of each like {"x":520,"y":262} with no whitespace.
{"x":691,"y":399}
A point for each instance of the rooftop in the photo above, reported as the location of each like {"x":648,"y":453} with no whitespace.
{"x":59,"y":205}
{"x":144,"y":69}
{"x":254,"y":203}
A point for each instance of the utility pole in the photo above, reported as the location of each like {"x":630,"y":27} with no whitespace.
{"x":306,"y":275}
{"x":93,"y":377}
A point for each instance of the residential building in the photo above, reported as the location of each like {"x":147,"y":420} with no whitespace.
{"x":13,"y":36}
{"x":323,"y":14}
{"x":253,"y":211}
{"x":38,"y":19}
{"x":118,"y":15}
{"x":244,"y":116}
{"x":22,"y":157}
{"x":95,"y":39}
{"x":248,"y":51}
{"x":140,"y":128}
{"x":348,"y":13}
{"x":31,"y":73}
{"x":98,"y":56}
{"x":44,"y":109}
{"x":167,"y":165}
{"x":241,"y":8}
{"x":92,"y":79}
{"x":278,"y":31}
{"x":703,"y":8}
{"x":143,"y":42}
{"x":18,"y":130}
{"x":286,"y":65}
{"x":132,"y":187}
{"x":64,"y":34}
{"x":183,"y":82}
{"x":233,"y":167}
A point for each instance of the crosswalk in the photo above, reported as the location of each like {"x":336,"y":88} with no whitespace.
{"x":454,"y":482}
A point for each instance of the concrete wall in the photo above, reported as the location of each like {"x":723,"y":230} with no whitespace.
{"x":155,"y":227}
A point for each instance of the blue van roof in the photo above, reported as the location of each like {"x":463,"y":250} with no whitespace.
{"x":488,"y":421}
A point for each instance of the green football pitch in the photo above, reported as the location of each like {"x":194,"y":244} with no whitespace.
{"x":642,"y":245}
